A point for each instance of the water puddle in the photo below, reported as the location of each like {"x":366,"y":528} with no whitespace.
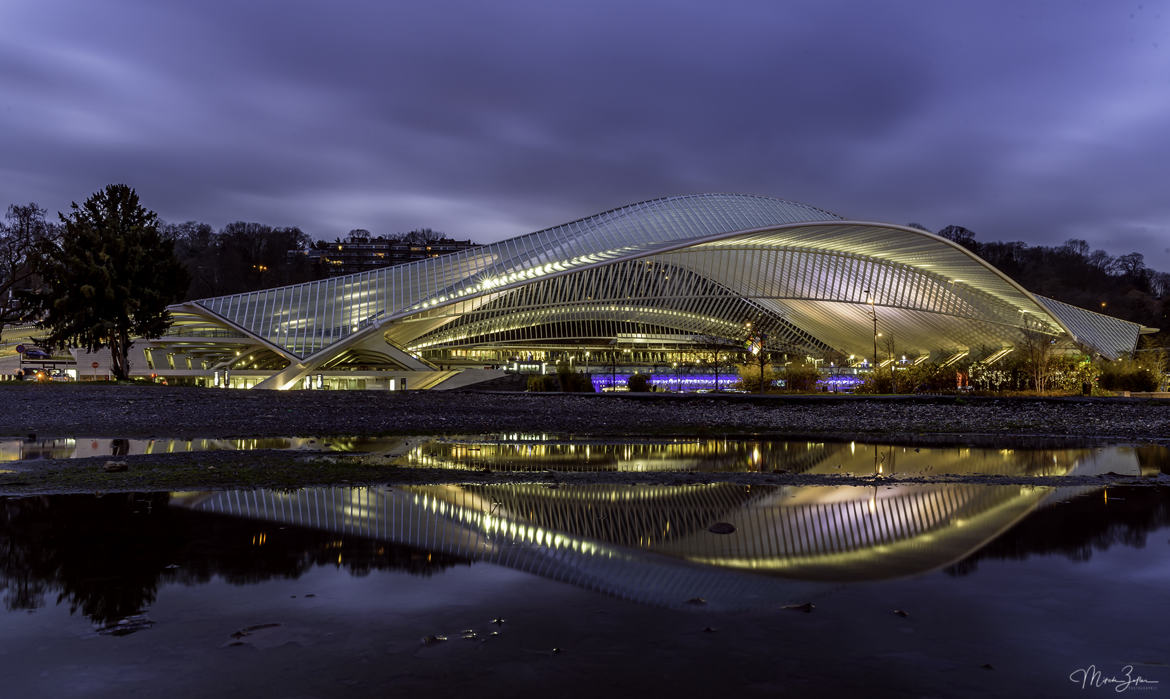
{"x":86,"y":447}
{"x":735,"y":546}
{"x":529,"y":585}
{"x":541,"y":452}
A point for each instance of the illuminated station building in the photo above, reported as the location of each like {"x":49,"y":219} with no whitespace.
{"x":667,"y":287}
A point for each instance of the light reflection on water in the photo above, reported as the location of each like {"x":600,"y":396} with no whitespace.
{"x":168,"y":569}
{"x":84,"y":447}
{"x":734,"y":546}
{"x":541,"y":452}
{"x":733,"y":455}
{"x":657,"y":544}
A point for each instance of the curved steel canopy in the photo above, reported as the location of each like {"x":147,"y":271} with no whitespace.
{"x":685,"y":266}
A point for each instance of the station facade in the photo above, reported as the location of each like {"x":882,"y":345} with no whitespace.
{"x":676,"y":281}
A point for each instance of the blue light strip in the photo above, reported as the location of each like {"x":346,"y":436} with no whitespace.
{"x":706,"y":382}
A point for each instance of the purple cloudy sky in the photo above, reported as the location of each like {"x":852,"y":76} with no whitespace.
{"x":1034,"y":121}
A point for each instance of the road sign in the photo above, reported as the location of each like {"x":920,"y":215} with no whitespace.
{"x":94,"y":365}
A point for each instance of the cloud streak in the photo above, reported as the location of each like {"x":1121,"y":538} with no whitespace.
{"x":487,"y":120}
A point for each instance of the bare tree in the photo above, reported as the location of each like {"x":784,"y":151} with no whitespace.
{"x":23,"y":228}
{"x":1036,"y":350}
{"x":892,"y":355}
{"x":757,"y":342}
{"x":422,"y":236}
{"x":712,"y":350}
{"x":960,"y":235}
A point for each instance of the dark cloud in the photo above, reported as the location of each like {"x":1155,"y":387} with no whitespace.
{"x":1026,"y":121}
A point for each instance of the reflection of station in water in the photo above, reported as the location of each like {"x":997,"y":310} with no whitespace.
{"x":652,"y":543}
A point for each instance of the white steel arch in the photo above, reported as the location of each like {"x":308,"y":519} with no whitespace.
{"x":696,"y":265}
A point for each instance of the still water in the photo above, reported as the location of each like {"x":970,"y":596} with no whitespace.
{"x":947,"y":589}
{"x":519,"y":452}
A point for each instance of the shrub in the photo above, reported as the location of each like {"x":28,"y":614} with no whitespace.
{"x":990,"y":378}
{"x":541,"y":382}
{"x":879,"y":381}
{"x":1073,"y":374}
{"x":576,"y":383}
{"x":800,"y":377}
{"x":638,"y":383}
{"x":1128,"y":375}
{"x":926,"y":377}
{"x":749,"y":377}
{"x":569,"y":381}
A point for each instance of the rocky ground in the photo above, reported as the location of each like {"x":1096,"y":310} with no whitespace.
{"x":64,"y":410}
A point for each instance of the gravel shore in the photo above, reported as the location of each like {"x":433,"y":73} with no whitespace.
{"x":44,"y":412}
{"x":64,"y":410}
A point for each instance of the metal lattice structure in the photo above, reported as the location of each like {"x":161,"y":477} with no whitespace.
{"x":673,"y":270}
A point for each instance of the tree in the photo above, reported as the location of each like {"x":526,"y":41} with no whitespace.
{"x":892,"y":356}
{"x":756,"y":344}
{"x":1076,"y":247}
{"x":109,"y":278}
{"x":960,"y":235}
{"x":751,"y":378}
{"x":712,"y":350}
{"x":1036,"y":351}
{"x":20,"y":236}
{"x":1133,"y":264}
{"x":638,"y":383}
{"x":242,"y":257}
{"x":255,"y":256}
{"x":422,"y":236}
{"x":197,"y":248}
{"x":801,"y":376}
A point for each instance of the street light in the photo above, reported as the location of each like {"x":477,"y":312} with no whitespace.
{"x":873,"y":314}
{"x":613,"y":367}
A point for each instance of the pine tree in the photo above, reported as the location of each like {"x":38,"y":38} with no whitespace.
{"x":109,"y":278}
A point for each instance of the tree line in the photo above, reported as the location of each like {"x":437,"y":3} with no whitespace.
{"x":244,"y":256}
{"x":240,"y":257}
{"x":106,"y":270}
{"x":1121,"y":286}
